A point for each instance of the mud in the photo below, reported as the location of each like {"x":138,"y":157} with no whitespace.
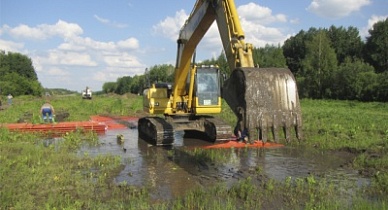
{"x":171,"y":171}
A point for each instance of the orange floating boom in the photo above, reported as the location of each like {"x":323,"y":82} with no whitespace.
{"x":235,"y":144}
{"x":57,"y":128}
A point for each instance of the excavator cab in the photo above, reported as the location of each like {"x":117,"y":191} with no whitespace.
{"x":207,"y":93}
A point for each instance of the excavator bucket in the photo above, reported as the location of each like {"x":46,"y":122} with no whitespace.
{"x":265,"y":101}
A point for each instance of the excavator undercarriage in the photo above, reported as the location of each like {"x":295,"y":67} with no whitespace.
{"x":161,"y":131}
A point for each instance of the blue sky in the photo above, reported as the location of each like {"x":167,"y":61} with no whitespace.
{"x":74,"y":44}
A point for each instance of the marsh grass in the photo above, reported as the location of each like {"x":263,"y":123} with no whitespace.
{"x":213,"y":155}
{"x":35,"y":175}
{"x":28,"y":107}
{"x":340,"y":124}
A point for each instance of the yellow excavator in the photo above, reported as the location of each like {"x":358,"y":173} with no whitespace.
{"x":265,"y":100}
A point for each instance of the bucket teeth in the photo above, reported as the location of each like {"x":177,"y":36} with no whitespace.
{"x":275,"y":133}
{"x":270,"y":102}
{"x":270,"y":129}
{"x":286,"y":131}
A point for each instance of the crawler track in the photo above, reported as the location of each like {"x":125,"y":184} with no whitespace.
{"x":159,"y":132}
{"x":156,"y":131}
{"x":218,"y":130}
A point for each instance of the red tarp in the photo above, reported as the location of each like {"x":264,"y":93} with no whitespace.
{"x":236,"y":144}
{"x":99,"y":124}
{"x":58,"y":128}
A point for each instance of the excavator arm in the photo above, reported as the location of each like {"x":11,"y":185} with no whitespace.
{"x":190,"y":35}
{"x":265,"y":100}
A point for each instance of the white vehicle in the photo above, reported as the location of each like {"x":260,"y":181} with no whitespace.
{"x":87,"y":93}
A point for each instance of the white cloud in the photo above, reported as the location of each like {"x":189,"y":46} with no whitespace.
{"x":170,"y":26}
{"x":10,"y":46}
{"x":88,"y":43}
{"x":64,"y":58}
{"x":110,"y":23}
{"x":256,"y":13}
{"x":123,"y":60}
{"x":260,"y":35}
{"x":24,"y":31}
{"x":295,"y":21}
{"x":103,"y":76}
{"x":101,"y":20}
{"x":255,"y":21}
{"x":111,"y":74}
{"x":71,"y":58}
{"x":65,"y":29}
{"x":44,"y":31}
{"x":336,"y":8}
{"x":130,"y":43}
{"x":55,"y":71}
{"x":70,"y":46}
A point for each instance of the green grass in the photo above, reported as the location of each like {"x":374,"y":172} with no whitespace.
{"x":35,"y":175}
{"x":340,"y":124}
{"x":79,"y":109}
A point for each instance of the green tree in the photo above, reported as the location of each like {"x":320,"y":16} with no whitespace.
{"x":208,"y":62}
{"x":13,"y":83}
{"x":161,"y":73}
{"x":369,"y":86}
{"x":376,"y":47}
{"x":223,"y":64}
{"x":18,"y":63}
{"x":345,"y":42}
{"x":109,"y":87}
{"x":269,"y":56}
{"x":354,"y":81}
{"x":294,"y":49}
{"x":123,"y":85}
{"x":318,"y":67}
{"x":18,"y":76}
{"x":138,"y":84}
{"x":382,"y":87}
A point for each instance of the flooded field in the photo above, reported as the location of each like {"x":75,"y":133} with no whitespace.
{"x":171,"y":171}
{"x":343,"y":167}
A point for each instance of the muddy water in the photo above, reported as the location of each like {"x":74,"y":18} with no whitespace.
{"x":170,"y":171}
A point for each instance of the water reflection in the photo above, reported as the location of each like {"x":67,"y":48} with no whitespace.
{"x":170,"y":171}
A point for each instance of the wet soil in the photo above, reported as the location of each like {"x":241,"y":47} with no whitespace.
{"x":171,"y":171}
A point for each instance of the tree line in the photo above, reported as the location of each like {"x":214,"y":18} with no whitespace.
{"x":137,"y":83}
{"x":335,"y":63}
{"x":328,"y":63}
